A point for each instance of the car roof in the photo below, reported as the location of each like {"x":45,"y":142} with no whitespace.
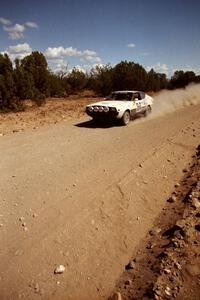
{"x":125,"y":91}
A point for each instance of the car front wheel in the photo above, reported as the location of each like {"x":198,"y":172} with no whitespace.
{"x":125,"y":118}
{"x":147,"y":111}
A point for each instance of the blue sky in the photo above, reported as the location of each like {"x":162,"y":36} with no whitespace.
{"x":161,"y":34}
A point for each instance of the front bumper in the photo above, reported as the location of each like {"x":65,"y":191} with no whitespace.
{"x":102,"y":115}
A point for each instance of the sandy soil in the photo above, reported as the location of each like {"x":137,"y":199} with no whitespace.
{"x":84,"y":196}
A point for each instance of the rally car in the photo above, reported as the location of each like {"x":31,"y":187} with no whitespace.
{"x":121,"y":105}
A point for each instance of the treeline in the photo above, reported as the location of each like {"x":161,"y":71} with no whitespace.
{"x":30,"y":78}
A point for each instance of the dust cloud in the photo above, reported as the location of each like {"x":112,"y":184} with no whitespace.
{"x":169,"y":101}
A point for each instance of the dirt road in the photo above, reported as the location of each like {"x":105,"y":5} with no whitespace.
{"x":84,"y":197}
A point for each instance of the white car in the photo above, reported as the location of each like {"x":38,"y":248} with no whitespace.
{"x":121,"y":105}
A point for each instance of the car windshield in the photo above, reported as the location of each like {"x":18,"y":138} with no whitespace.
{"x":121,"y":96}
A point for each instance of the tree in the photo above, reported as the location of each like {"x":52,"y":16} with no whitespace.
{"x":24,"y":81}
{"x":57,"y":85}
{"x":35,"y":65}
{"x":180,"y":79}
{"x":8,"y":100}
{"x":163,"y":80}
{"x":197,"y":79}
{"x":128,"y":75}
{"x":156,"y":81}
{"x":77,"y":80}
{"x":189,"y":77}
{"x":101,"y":79}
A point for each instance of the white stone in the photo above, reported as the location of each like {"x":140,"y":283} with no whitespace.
{"x":59,"y":269}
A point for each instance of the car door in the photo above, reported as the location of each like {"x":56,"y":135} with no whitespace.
{"x":143,"y":101}
{"x":139,"y":102}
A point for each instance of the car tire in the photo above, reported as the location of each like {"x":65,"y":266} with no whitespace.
{"x":147,"y":111}
{"x":125,"y":118}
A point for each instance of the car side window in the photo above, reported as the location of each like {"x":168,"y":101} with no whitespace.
{"x":142,"y":95}
{"x":136,"y":96}
{"x":129,"y":96}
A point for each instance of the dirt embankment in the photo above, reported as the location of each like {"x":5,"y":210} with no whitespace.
{"x":166,"y":264}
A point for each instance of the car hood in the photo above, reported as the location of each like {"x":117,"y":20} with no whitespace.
{"x":110,"y":103}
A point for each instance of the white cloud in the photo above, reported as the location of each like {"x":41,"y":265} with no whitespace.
{"x":58,"y":64}
{"x":160,"y":68}
{"x":60,"y":67}
{"x":18,"y":51}
{"x":5,"y":21}
{"x":89,"y":56}
{"x":89,"y":52}
{"x":31,"y":24}
{"x":197,"y":71}
{"x":56,"y":57}
{"x":15,"y":32}
{"x":58,"y":52}
{"x":86,"y":56}
{"x":90,"y":59}
{"x":131,"y":45}
{"x":57,"y":61}
{"x":20,"y":48}
{"x":80,"y":68}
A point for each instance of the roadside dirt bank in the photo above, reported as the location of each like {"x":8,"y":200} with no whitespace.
{"x":166,"y":264}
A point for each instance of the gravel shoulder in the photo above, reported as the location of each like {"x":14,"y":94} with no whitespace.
{"x":166,"y":264}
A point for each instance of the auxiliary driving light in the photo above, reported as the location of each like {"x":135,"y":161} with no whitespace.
{"x":106,"y":109}
{"x":90,"y":108}
{"x":96,"y":108}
